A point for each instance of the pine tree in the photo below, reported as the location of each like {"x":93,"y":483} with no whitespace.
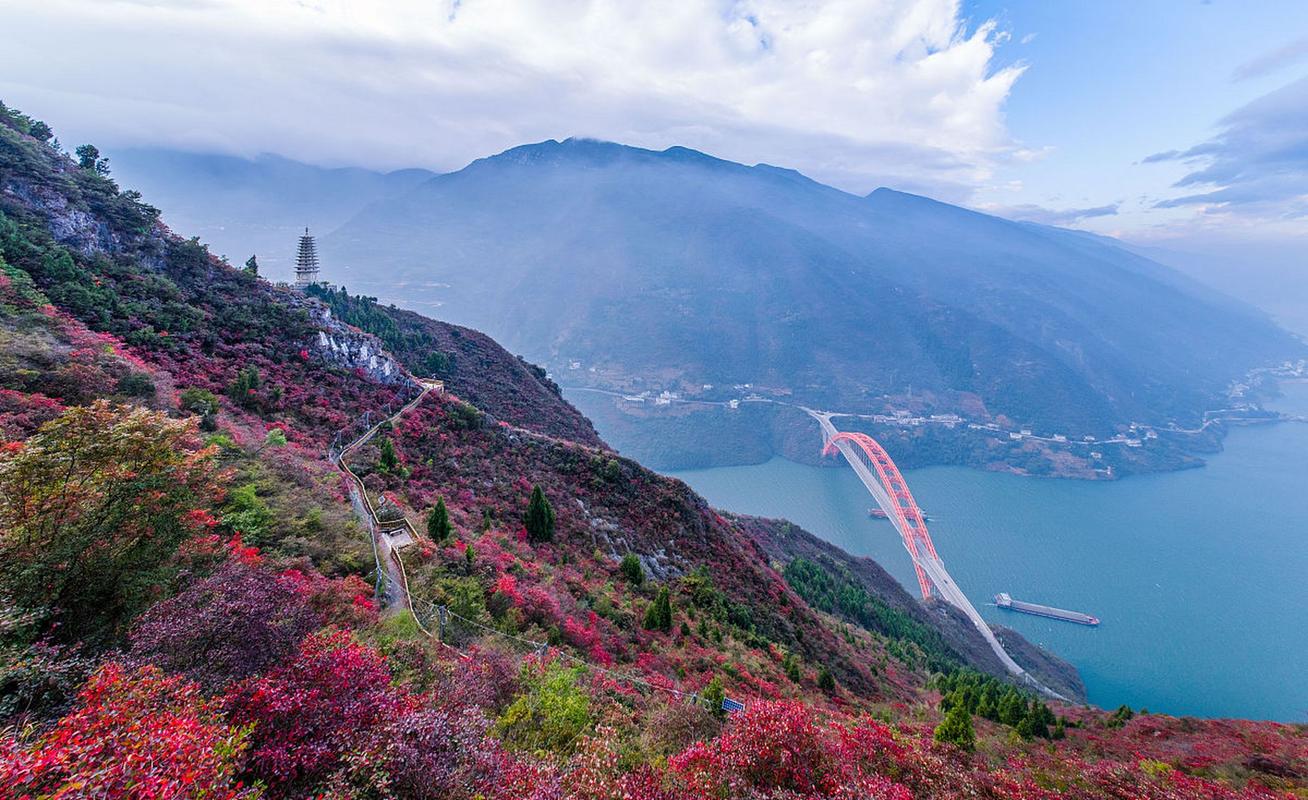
{"x":791,"y":666}
{"x":1031,"y":727}
{"x":438,"y":522}
{"x":540,"y":517}
{"x":1060,"y":730}
{"x":631,"y":568}
{"x":956,"y":729}
{"x":1012,"y":708}
{"x":825,"y":680}
{"x":714,"y":694}
{"x":388,"y":460}
{"x":252,"y":266}
{"x":658,"y":617}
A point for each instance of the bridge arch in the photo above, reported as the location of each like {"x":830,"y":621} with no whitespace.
{"x":903,"y":509}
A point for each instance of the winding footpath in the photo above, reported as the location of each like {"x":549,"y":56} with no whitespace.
{"x":395,"y":591}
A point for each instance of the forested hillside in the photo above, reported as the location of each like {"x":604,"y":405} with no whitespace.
{"x":189,"y":600}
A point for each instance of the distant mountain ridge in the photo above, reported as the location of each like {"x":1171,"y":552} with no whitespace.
{"x":678,"y":268}
{"x":674,"y":269}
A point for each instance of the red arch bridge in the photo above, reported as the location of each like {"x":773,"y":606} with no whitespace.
{"x":888,"y":488}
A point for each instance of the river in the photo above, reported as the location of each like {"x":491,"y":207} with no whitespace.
{"x":1200,"y":577}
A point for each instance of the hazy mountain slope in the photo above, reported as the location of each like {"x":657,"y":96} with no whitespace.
{"x":242,"y":206}
{"x":580,"y":250}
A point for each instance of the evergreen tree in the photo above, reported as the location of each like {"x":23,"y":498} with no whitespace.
{"x":388,"y":460}
{"x":1031,"y":727}
{"x":791,"y":666}
{"x":252,"y":266}
{"x":714,"y":694}
{"x":438,"y":522}
{"x":658,"y":617}
{"x":631,"y":568}
{"x":1012,"y":708}
{"x":826,"y":681}
{"x":540,"y":517}
{"x":957,"y":728}
{"x":243,"y":387}
{"x":88,"y":158}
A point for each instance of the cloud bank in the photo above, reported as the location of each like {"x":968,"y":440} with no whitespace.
{"x":1256,"y":165}
{"x":1030,"y":212}
{"x":853,"y":92}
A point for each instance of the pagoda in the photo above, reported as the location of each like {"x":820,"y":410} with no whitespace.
{"x":306,"y":261}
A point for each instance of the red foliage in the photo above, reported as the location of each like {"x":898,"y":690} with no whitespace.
{"x":346,"y":602}
{"x":773,"y":745}
{"x":226,"y":627}
{"x":133,"y":734}
{"x":310,"y":712}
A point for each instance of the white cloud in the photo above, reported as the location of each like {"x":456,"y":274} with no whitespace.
{"x":850,"y":91}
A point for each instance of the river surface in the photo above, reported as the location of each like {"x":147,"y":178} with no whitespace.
{"x":1200,"y":577}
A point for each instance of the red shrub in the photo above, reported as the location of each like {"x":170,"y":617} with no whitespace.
{"x":773,"y":745}
{"x":233,"y":624}
{"x":133,"y":734}
{"x":308,"y":713}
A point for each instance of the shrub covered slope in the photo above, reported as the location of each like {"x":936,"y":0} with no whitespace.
{"x":187,"y":604}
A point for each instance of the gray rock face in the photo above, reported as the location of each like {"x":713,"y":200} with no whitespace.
{"x":72,"y":227}
{"x":347,"y":346}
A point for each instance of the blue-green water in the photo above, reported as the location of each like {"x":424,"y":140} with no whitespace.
{"x":1200,"y":577}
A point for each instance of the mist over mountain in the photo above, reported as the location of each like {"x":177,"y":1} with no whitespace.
{"x":677,"y":269}
{"x":241,"y":207}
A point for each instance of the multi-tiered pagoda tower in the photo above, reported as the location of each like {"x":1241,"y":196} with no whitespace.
{"x":306,"y":261}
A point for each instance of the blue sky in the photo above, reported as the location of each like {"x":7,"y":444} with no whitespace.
{"x":1051,"y":110}
{"x":1109,"y":84}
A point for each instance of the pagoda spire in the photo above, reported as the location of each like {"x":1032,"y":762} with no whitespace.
{"x":306,"y":261}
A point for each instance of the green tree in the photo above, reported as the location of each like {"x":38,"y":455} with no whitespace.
{"x":791,"y":667}
{"x":252,"y":266}
{"x":956,"y":729}
{"x":631,"y":568}
{"x":41,"y":131}
{"x":539,"y":517}
{"x":438,"y":522}
{"x":1012,"y":708}
{"x":92,"y":507}
{"x":387,"y":459}
{"x":1030,"y":727}
{"x":243,"y":388}
{"x":714,"y":694}
{"x":246,"y":513}
{"x":88,"y":158}
{"x":1120,"y":717}
{"x":826,"y":681}
{"x":198,"y":401}
{"x":658,"y":616}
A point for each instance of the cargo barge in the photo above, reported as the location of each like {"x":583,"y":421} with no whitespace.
{"x":1003,"y":600}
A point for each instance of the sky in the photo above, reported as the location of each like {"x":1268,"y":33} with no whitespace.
{"x":1172,"y":123}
